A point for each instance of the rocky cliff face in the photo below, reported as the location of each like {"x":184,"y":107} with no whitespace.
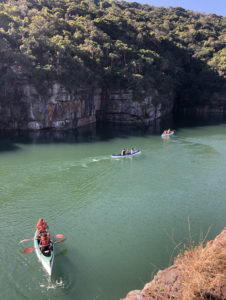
{"x":57,"y":108}
{"x":119,"y":107}
{"x":216,"y":104}
{"x":24,"y":107}
{"x":199,"y":274}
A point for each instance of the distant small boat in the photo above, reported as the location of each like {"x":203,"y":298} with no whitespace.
{"x":167,"y":134}
{"x":126,"y":155}
{"x":45,"y":258}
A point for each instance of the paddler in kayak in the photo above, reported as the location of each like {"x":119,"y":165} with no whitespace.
{"x":123,"y":151}
{"x":41,"y":227}
{"x":45,"y":242}
{"x":133,"y":150}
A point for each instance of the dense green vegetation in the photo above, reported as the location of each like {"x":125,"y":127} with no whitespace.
{"x":111,"y":43}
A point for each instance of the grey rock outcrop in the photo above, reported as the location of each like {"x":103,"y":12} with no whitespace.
{"x":56,"y":109}
{"x":119,"y":107}
{"x":24,"y":107}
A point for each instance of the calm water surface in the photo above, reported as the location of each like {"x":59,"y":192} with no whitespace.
{"x":122,"y":218}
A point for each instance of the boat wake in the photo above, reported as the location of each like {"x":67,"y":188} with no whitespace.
{"x":85,"y":163}
{"x":52,"y":285}
{"x":90,"y":160}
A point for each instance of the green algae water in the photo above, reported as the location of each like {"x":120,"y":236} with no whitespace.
{"x":123,"y":218}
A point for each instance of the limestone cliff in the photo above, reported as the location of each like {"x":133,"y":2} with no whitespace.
{"x":56,"y":108}
{"x":25,"y":107}
{"x":199,"y":274}
{"x":118,"y":106}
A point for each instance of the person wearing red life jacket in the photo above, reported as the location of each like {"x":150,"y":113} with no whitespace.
{"x":45,"y":241}
{"x":44,"y":225}
{"x":41,"y":227}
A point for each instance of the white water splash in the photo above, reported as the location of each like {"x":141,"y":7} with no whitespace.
{"x":53,"y":285}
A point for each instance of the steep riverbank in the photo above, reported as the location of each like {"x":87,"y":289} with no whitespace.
{"x":56,"y":107}
{"x":59,"y":108}
{"x":71,"y":63}
{"x":199,"y":274}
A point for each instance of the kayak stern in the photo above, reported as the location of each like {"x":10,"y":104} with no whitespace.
{"x":46,"y":261}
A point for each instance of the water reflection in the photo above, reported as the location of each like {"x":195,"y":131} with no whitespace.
{"x":86,"y":134}
{"x":104,"y":131}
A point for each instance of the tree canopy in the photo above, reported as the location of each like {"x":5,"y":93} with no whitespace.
{"x":110,"y":43}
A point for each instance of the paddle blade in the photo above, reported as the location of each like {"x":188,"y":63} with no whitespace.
{"x":25,"y":240}
{"x":28,"y":250}
{"x":60,"y":241}
{"x":59,"y":236}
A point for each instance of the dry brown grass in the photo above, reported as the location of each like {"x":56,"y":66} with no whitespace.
{"x":198,"y":273}
{"x":202,"y":271}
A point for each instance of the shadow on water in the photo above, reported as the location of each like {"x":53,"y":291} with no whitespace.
{"x":6,"y":146}
{"x":190,"y":119}
{"x":9,"y":140}
{"x":63,"y":276}
{"x":64,"y":272}
{"x":86,"y":134}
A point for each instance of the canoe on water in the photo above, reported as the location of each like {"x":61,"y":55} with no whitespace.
{"x":167,"y":134}
{"x":126,"y":155}
{"x":45,"y":258}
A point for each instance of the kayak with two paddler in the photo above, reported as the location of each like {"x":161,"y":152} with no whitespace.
{"x":168,"y":132}
{"x":127,"y":154}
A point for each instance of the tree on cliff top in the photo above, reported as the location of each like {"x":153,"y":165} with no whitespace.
{"x":113,"y":43}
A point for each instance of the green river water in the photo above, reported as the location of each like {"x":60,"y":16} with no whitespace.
{"x":123,"y":218}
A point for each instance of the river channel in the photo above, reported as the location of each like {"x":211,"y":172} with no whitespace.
{"x":123,"y":218}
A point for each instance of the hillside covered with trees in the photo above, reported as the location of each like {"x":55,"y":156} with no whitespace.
{"x":113,"y":44}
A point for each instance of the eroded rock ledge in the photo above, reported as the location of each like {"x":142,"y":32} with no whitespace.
{"x":199,"y":274}
{"x":24,"y":107}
